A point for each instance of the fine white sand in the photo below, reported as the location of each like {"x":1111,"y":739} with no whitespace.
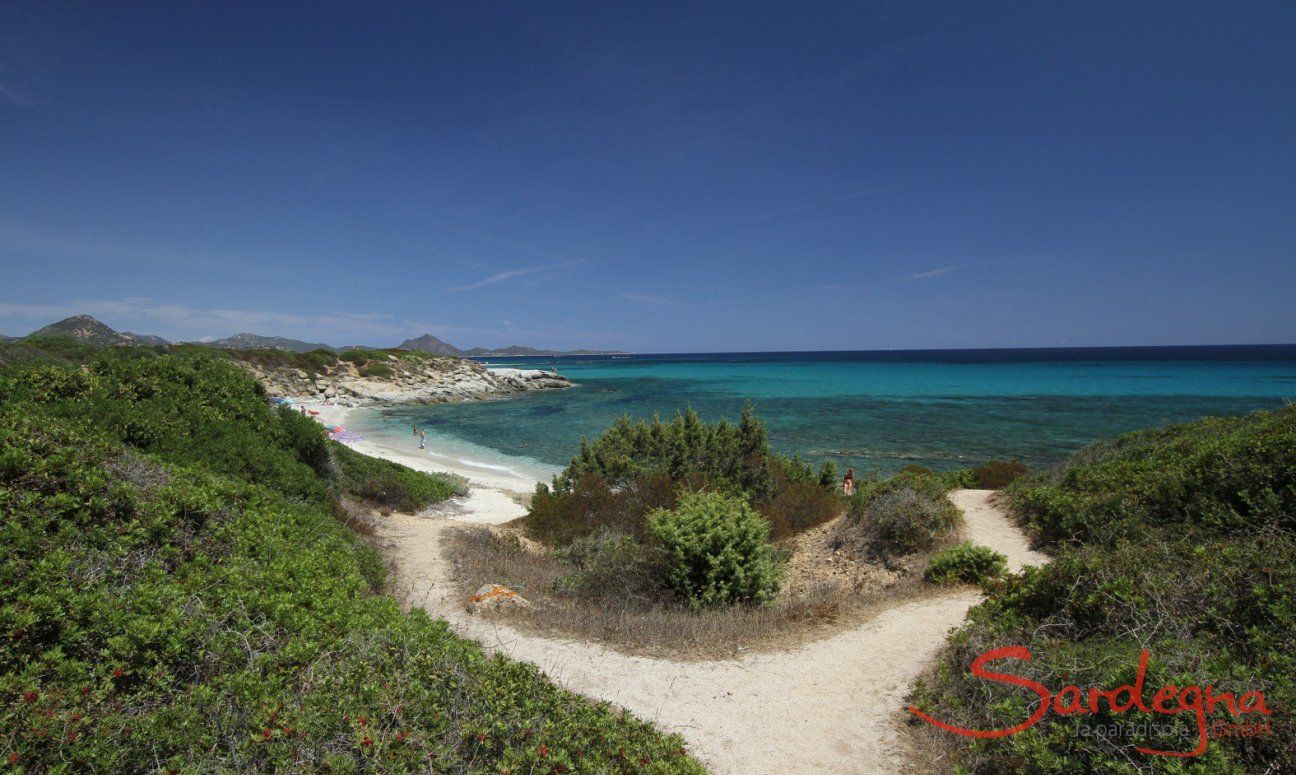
{"x":831,"y":706}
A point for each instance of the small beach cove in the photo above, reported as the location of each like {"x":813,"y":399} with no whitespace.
{"x":832,"y":705}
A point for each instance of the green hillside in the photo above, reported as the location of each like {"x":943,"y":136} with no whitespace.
{"x":178,"y":592}
{"x":1180,"y":541}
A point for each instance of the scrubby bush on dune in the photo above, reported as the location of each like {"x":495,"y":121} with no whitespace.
{"x":633,"y":468}
{"x":377,"y":370}
{"x":998,"y":474}
{"x":965,"y":564}
{"x":902,"y":515}
{"x":717,"y":550}
{"x":905,"y":521}
{"x":1180,"y":541}
{"x":176,"y":594}
{"x":390,"y":485}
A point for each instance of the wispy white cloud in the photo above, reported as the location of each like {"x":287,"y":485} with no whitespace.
{"x":500,"y":277}
{"x":930,"y":273}
{"x":646,"y":298}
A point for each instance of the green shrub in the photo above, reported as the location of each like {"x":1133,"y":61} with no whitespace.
{"x":966,"y":564}
{"x":897,"y":520}
{"x":608,"y":564}
{"x":377,"y":370}
{"x":390,"y":485}
{"x":633,"y":468}
{"x":998,"y":474}
{"x":717,"y":550}
{"x":358,"y":357}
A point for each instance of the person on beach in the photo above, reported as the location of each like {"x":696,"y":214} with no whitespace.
{"x":415,"y":427}
{"x":848,"y":483}
{"x":422,"y":439}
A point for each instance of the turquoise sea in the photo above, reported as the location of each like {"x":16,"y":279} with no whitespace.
{"x":871,"y":410}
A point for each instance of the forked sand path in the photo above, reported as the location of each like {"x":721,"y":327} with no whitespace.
{"x":829,"y":706}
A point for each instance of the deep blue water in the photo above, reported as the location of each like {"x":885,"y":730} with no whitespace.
{"x":872,"y":410}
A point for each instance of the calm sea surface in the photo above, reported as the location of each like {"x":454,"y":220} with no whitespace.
{"x":871,"y":410}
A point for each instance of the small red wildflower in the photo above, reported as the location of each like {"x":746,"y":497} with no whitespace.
{"x":266,"y":734}
{"x":76,"y":716}
{"x":400,"y":736}
{"x":118,"y":672}
{"x":368,"y":741}
{"x":396,"y":710}
{"x":13,"y":758}
{"x":30,"y":696}
{"x":544,"y":750}
{"x":481,"y":737}
{"x":73,"y":735}
{"x":287,"y":730}
{"x":363,"y":721}
{"x":85,"y":690}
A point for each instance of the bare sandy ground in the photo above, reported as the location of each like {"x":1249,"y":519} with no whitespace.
{"x":831,"y":706}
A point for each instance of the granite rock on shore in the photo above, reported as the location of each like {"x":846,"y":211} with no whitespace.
{"x":440,"y":380}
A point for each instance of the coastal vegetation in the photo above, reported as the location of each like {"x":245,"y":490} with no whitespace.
{"x":1180,"y":542}
{"x":177,"y":592}
{"x":679,"y":538}
{"x":965,"y":563}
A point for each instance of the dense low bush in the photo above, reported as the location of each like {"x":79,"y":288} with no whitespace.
{"x":905,"y":514}
{"x":717,"y":550}
{"x":607,"y":564}
{"x":998,"y":474}
{"x":1179,"y":541}
{"x":176,"y":594}
{"x":634,"y":468}
{"x":904,"y":521}
{"x":377,"y":370}
{"x":965,"y":564}
{"x":390,"y":485}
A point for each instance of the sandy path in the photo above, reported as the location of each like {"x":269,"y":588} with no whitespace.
{"x":985,"y":523}
{"x":829,"y":706}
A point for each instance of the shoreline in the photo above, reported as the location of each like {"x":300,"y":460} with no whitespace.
{"x":494,"y":496}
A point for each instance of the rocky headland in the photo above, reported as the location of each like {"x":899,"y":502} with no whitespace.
{"x":402,"y":381}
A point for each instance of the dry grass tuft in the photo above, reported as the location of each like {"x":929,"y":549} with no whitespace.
{"x":820,"y":598}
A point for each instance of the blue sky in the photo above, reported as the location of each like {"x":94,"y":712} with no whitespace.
{"x":655,"y":176}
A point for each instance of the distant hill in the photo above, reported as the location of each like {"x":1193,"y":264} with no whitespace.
{"x":86,"y":329}
{"x":430,"y":344}
{"x":258,"y":342}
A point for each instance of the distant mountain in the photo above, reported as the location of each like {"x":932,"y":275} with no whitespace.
{"x":86,"y":329}
{"x":258,"y":342}
{"x":430,"y":344}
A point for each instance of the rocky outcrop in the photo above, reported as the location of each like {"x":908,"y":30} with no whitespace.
{"x":495,"y":597}
{"x":403,"y":381}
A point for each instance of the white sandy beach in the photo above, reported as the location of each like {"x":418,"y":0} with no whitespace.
{"x":493,"y":493}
